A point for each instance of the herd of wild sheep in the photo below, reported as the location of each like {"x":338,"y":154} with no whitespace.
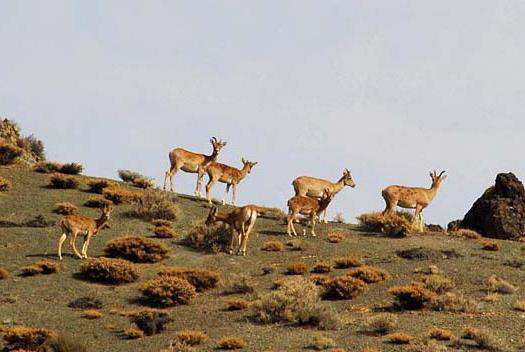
{"x":312,"y":197}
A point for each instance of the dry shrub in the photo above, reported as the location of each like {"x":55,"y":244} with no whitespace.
{"x":412,"y":296}
{"x":164,"y":232}
{"x":297,"y":268}
{"x":136,"y":249}
{"x":211,"y":239}
{"x":347,"y":262}
{"x":132,"y":334}
{"x":151,"y":321}
{"x":267,"y":270}
{"x":369,"y":274}
{"x":231,"y":343}
{"x":9,"y":154}
{"x":154,"y":204}
{"x":168,"y":291}
{"x":201,"y":279}
{"x":162,"y":223}
{"x":44,"y":267}
{"x":335,"y":237}
{"x":466,"y":233}
{"x":381,"y":324}
{"x":65,"y":208}
{"x":520,"y":305}
{"x":62,"y":182}
{"x":296,"y":301}
{"x":441,"y":334}
{"x":119,"y":195}
{"x":71,"y":168}
{"x":399,"y":224}
{"x":454,"y":302}
{"x":344,"y":287}
{"x":272,"y":246}
{"x":191,"y":337}
{"x":399,"y":338}
{"x":491,"y":298}
{"x":33,"y":145}
{"x":490,"y":246}
{"x":497,"y":284}
{"x":5,"y":185}
{"x":47,"y":167}
{"x":143,"y":182}
{"x":239,"y":284}
{"x":98,"y":186}
{"x":321,"y":343}
{"x":85,"y":303}
{"x":237,"y":304}
{"x":438,"y":283}
{"x":483,"y":339}
{"x":4,"y":274}
{"x":97,"y":202}
{"x":25,"y":338}
{"x":62,"y":344}
{"x":295,"y":245}
{"x":320,"y":280}
{"x":128,"y":175}
{"x":109,"y":271}
{"x":91,"y":314}
{"x":339,"y":218}
{"x":321,"y":268}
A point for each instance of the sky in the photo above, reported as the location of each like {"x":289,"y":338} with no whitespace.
{"x":388,"y":89}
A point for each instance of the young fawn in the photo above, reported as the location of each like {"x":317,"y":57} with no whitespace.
{"x":311,"y":207}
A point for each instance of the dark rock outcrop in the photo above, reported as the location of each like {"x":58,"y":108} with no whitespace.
{"x":500,"y":211}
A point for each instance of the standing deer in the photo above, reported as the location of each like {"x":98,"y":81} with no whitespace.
{"x":412,"y":197}
{"x":181,"y":159}
{"x":240,"y":220}
{"x":314,"y":187}
{"x":231,"y":176}
{"x":311,"y":207}
{"x":74,"y":225}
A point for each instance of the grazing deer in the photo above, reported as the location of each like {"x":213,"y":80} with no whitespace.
{"x":412,"y":197}
{"x":231,"y":176}
{"x":240,"y":220}
{"x":181,"y":159}
{"x":314,"y":187}
{"x":74,"y":225}
{"x":311,"y":207}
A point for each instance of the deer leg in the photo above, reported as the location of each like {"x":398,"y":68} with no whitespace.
{"x":200,"y":175}
{"x":246,"y":237}
{"x":324,"y":217}
{"x":291,"y":224}
{"x":312,"y":223}
{"x":87,"y":240}
{"x":228,"y":185}
{"x":417,"y":216}
{"x":232,"y":240}
{"x":390,"y":207}
{"x":72,"y":243}
{"x":208,"y":189}
{"x":60,"y":242}
{"x":172,"y":173}
{"x":234,"y":191}
{"x":240,"y":238}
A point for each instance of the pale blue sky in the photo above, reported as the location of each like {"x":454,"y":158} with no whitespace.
{"x":388,"y":89}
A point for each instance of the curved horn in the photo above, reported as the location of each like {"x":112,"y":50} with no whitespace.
{"x":441,"y":174}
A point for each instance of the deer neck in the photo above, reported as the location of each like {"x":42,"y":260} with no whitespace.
{"x":100,"y":222}
{"x":432,"y":191}
{"x":323,"y":204}
{"x":336,"y":187}
{"x":212,"y":157}
{"x":242,"y":173}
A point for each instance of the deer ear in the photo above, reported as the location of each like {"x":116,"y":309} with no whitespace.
{"x":243,"y":161}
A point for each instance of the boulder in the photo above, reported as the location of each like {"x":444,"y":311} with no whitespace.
{"x":500,"y":211}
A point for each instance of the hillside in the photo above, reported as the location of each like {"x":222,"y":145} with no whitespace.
{"x":42,"y":300}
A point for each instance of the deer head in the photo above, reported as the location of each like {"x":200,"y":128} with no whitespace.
{"x":248,"y":164}
{"x":212,"y":216}
{"x":217,"y":144}
{"x":347,"y":178}
{"x":102,"y":222}
{"x":437,"y":179}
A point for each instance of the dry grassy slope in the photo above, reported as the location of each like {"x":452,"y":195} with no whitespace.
{"x":41,"y":301}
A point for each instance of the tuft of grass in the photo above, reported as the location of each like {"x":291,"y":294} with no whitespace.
{"x":321,"y":268}
{"x":143,"y":182}
{"x":71,"y":169}
{"x":321,"y":343}
{"x":162,"y":223}
{"x":98,"y":185}
{"x":399,"y":338}
{"x":490,"y":246}
{"x":119,"y":195}
{"x":412,"y":297}
{"x":381,"y":324}
{"x":347,"y":262}
{"x":164,"y":232}
{"x":441,"y":334}
{"x":335,"y":237}
{"x":97,"y":202}
{"x":44,"y":267}
{"x":4,"y":274}
{"x":237,"y":304}
{"x":483,"y":339}
{"x":466,"y":233}
{"x":191,"y":337}
{"x":272,"y":246}
{"x":297,"y":268}
{"x":344,"y":287}
{"x":87,"y":303}
{"x":520,"y":305}
{"x":239,"y":284}
{"x":128,"y":175}
{"x":26,"y":338}
{"x":231,"y":343}
{"x":454,"y":302}
{"x":5,"y":184}
{"x":369,"y":274}
{"x":109,"y":271}
{"x":168,"y":291}
{"x":201,"y":279}
{"x":151,"y":321}
{"x":438,"y":283}
{"x":319,"y":280}
{"x":398,"y":224}
{"x":62,"y":182}
{"x":65,"y":208}
{"x":295,"y":245}
{"x":155,"y":204}
{"x":211,"y":239}
{"x":497,"y":284}
{"x":132,"y":334}
{"x":9,"y":154}
{"x":91,"y":314}
{"x":47,"y":167}
{"x":136,"y":249}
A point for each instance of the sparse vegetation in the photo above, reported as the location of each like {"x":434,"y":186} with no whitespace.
{"x":132,"y":334}
{"x":71,"y":168}
{"x":44,"y":267}
{"x":128,"y":175}
{"x":164,"y":232}
{"x":87,"y":303}
{"x":335,"y":237}
{"x":296,"y":268}
{"x":97,"y":202}
{"x":412,"y":297}
{"x":26,"y":338}
{"x":237,"y":304}
{"x":339,"y":218}
{"x":91,"y":314}
{"x":295,"y":245}
{"x":466,"y":233}
{"x":5,"y":184}
{"x":119,"y":195}
{"x":62,"y":182}
{"x":399,"y":224}
{"x":490,"y":246}
{"x":344,"y":287}
{"x":109,"y":271}
{"x":153,"y":204}
{"x":321,"y":268}
{"x":400,"y":338}
{"x":47,"y":167}
{"x":211,"y":239}
{"x":65,"y":208}
{"x":201,"y":279}
{"x":381,"y":324}
{"x":454,"y":302}
{"x":321,"y":343}
{"x":143,"y":182}
{"x":4,"y":274}
{"x":497,"y":284}
{"x":438,"y":283}
{"x":191,"y":337}
{"x":98,"y":185}
{"x":239,"y":284}
{"x":441,"y":334}
{"x":347,"y":262}
{"x":168,"y":291}
{"x":482,"y":338}
{"x":136,"y":249}
{"x":9,"y":153}
{"x":151,"y":321}
{"x":272,"y":246}
{"x":520,"y":305}
{"x":231,"y":343}
{"x":369,"y":274}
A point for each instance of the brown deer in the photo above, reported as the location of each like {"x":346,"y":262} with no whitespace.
{"x":311,"y":207}
{"x":181,"y":159}
{"x":307,"y":186}
{"x":412,"y":197}
{"x":231,"y":176}
{"x":240,"y":220}
{"x":75,"y":225}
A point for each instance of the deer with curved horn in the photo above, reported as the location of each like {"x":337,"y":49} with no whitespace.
{"x":307,"y":186}
{"x":412,"y":197}
{"x":195,"y":163}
